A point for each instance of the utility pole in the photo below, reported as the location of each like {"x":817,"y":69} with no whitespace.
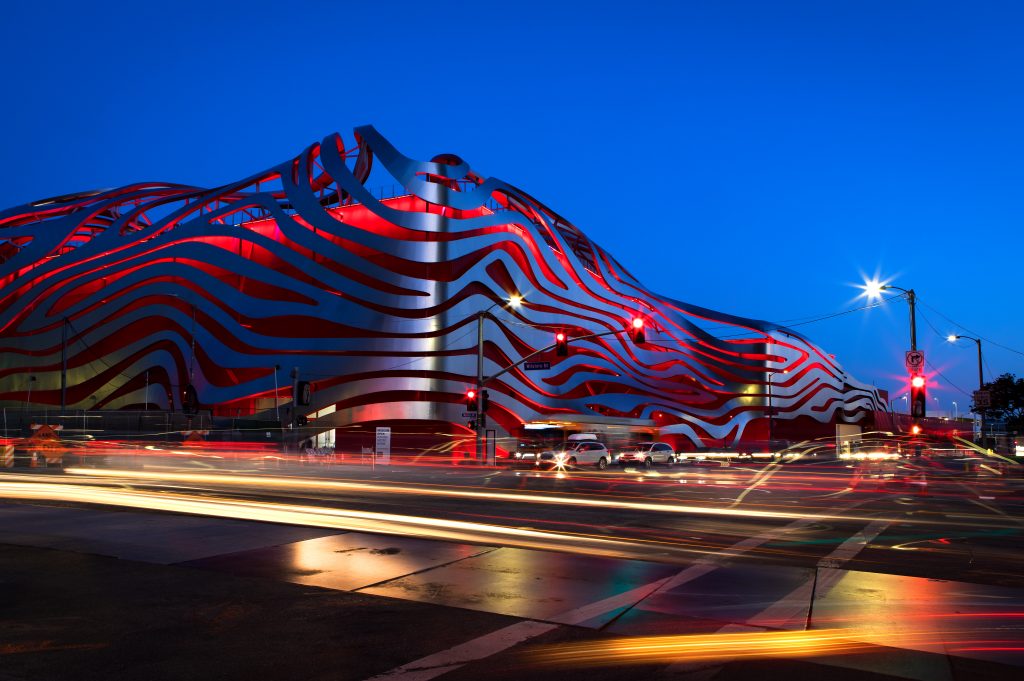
{"x":479,"y":385}
{"x":981,"y":381}
{"x":63,"y":365}
{"x":911,"y":301}
{"x":277,"y":401}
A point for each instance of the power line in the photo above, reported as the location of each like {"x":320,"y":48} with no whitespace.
{"x":961,"y":326}
{"x":943,"y":377}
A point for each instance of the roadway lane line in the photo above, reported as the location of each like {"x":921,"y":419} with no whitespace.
{"x":477,"y":649}
{"x":790,"y":608}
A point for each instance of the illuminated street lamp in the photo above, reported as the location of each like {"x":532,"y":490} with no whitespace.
{"x":873,"y":290}
{"x":514,"y":301}
{"x":956,"y":411}
{"x":981,"y":377}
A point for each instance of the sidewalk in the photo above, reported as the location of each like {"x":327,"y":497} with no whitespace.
{"x":118,"y":594}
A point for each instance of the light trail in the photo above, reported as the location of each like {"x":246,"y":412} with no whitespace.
{"x":558,"y":499}
{"x":698,"y":647}
{"x":345,"y":519}
{"x":728,"y":646}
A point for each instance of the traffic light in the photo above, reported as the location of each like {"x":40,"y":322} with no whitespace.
{"x":303,"y":393}
{"x":561,"y":344}
{"x":638,"y":331}
{"x":485,"y":400}
{"x":189,"y":399}
{"x":471,"y":400}
{"x":918,"y":397}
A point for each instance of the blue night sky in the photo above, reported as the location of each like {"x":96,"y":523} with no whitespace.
{"x":758,"y":158}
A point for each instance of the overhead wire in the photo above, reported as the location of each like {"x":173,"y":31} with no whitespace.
{"x":961,"y":326}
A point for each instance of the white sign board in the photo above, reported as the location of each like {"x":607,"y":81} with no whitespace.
{"x":982,"y":399}
{"x":383,"y":449}
{"x":915,"y":361}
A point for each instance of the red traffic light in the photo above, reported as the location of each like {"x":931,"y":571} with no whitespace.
{"x":561,"y":344}
{"x":918,"y":397}
{"x":471,"y":400}
{"x":638,"y":331}
{"x":915,"y":429}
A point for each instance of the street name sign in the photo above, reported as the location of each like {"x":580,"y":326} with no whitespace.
{"x":469,"y":414}
{"x":533,"y":366}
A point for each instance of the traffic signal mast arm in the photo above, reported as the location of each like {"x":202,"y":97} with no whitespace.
{"x":551,"y":347}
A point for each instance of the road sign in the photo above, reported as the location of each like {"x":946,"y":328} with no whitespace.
{"x":982,"y":399}
{"x":533,"y":366}
{"x":383,"y":449}
{"x":469,"y":414}
{"x":915,"y":360}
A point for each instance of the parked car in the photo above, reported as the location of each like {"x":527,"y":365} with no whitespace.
{"x":576,"y":453}
{"x":647,"y":454}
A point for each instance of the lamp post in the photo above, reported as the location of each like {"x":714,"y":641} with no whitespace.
{"x":907,"y":399}
{"x":514,"y":301}
{"x":771,"y":409}
{"x":277,"y":401}
{"x":981,"y":377}
{"x":874,"y":289}
{"x":938,"y":407}
{"x":956,"y":411}
{"x":911,"y":301}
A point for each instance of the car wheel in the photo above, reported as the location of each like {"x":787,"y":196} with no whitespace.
{"x":648,"y":463}
{"x":670,"y":460}
{"x":602,"y":463}
{"x":571,"y":463}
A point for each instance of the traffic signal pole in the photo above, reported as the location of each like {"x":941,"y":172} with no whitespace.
{"x":479,"y":384}
{"x":636,"y":330}
{"x":912,"y":300}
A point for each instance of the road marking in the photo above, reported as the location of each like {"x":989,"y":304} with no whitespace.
{"x":482,"y":647}
{"x":793,"y":607}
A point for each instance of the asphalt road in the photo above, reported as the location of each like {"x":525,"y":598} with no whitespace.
{"x":203,"y":605}
{"x":935,"y":520}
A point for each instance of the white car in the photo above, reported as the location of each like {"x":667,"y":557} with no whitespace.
{"x":576,"y":453}
{"x":647,"y":454}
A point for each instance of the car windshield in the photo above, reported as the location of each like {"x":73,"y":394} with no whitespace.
{"x":642,"y":447}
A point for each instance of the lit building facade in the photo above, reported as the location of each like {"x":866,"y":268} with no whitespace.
{"x":308,"y":272}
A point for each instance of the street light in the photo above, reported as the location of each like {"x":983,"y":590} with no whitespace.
{"x":981,"y":377}
{"x":514,"y":301}
{"x":908,"y":404}
{"x":771,"y":409}
{"x":956,"y":411}
{"x":938,"y":406}
{"x":874,"y":289}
